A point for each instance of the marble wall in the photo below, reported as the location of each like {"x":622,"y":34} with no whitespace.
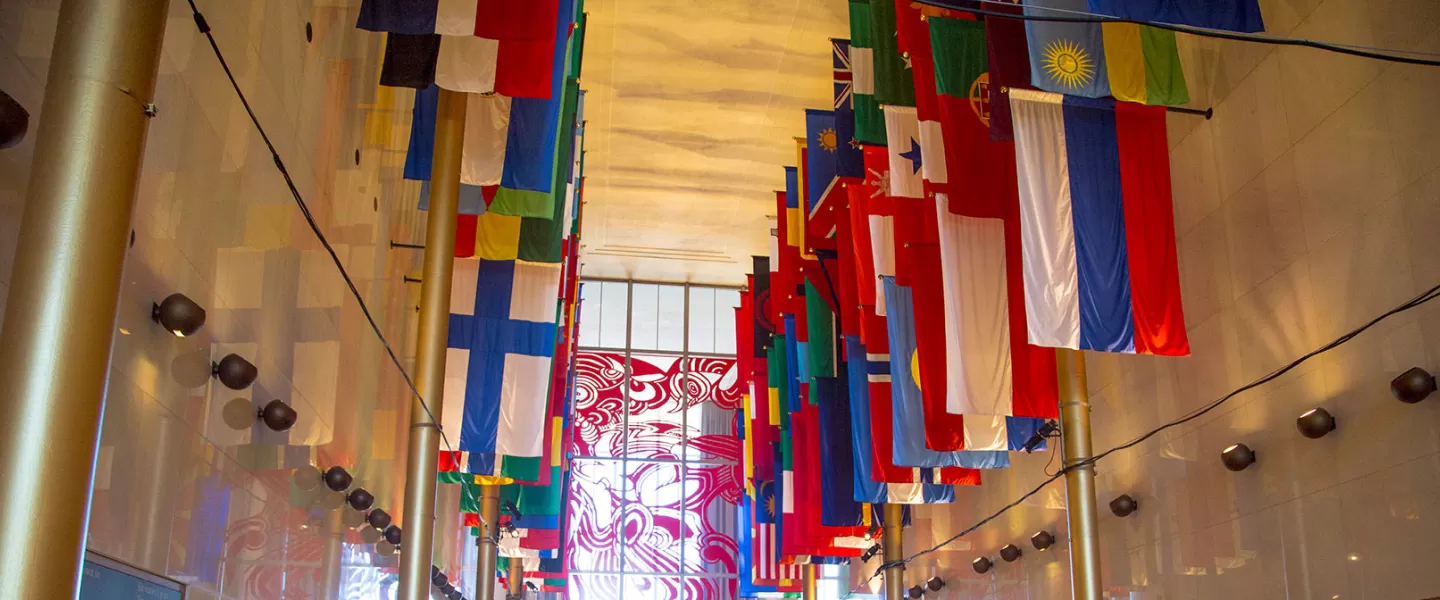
{"x":1306,"y":207}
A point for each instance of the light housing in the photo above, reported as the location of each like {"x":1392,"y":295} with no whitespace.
{"x":14,"y":121}
{"x":915,"y":593}
{"x":1413,"y":386}
{"x":338,"y":479}
{"x":393,"y":534}
{"x":1123,"y":506}
{"x":179,"y":315}
{"x":1315,"y":423}
{"x":870,"y":553}
{"x":1042,"y":540}
{"x":1010,"y":552}
{"x":982,"y":565}
{"x":1237,"y":457}
{"x":935,"y":583}
{"x":234,"y":371}
{"x":1046,"y":430}
{"x":378,"y":518}
{"x":360,"y":499}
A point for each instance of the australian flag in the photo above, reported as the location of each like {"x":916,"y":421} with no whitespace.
{"x":850,"y":161}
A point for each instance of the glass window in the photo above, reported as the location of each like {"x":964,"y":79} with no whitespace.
{"x":614,"y":296}
{"x":644,"y":317}
{"x":590,"y":314}
{"x":702,"y":320}
{"x":726,"y":301}
{"x":672,"y":318}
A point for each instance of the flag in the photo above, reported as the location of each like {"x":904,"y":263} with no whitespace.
{"x":838,"y":504}
{"x":822,"y":148}
{"x":1133,"y":63}
{"x":1230,"y":15}
{"x":893,"y":84}
{"x":869,"y":123}
{"x":471,"y":46}
{"x":879,"y":212}
{"x":867,"y":487}
{"x":1098,"y":235}
{"x":992,"y":368}
{"x":906,"y":155}
{"x":763,"y":327}
{"x":1009,"y":57}
{"x":849,"y":161}
{"x":501,"y":344}
{"x":914,"y":39}
{"x":910,"y":412}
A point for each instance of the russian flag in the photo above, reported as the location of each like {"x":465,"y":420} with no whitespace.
{"x":1098,"y":232}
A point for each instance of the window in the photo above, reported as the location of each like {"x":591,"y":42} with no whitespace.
{"x":655,"y":467}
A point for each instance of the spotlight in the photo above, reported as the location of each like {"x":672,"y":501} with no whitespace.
{"x":235,"y":372}
{"x":915,"y":593}
{"x":1010,"y":553}
{"x":338,"y":479}
{"x":434,"y":570}
{"x":392,"y":534}
{"x":1315,"y":423}
{"x":1237,"y":457}
{"x":1123,"y":505}
{"x":278,"y":416}
{"x":510,"y":507}
{"x":1044,"y":539}
{"x":511,"y":530}
{"x":179,"y":315}
{"x":14,"y":121}
{"x":870,"y":553}
{"x":530,"y":585}
{"x":1413,"y":386}
{"x":378,"y":518}
{"x":871,"y":532}
{"x":360,"y":499}
{"x":454,"y":595}
{"x":437,"y":578}
{"x":935,"y":583}
{"x":982,"y":565}
{"x":1037,"y":438}
{"x":446,"y":588}
{"x":241,"y":413}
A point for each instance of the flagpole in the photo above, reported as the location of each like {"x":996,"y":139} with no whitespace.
{"x":418,"y":522}
{"x":486,"y":558}
{"x":61,"y":313}
{"x":1079,"y":482}
{"x":894,"y":552}
{"x":516,"y":577}
{"x":807,"y":592}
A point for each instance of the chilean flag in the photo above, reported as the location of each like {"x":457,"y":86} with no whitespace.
{"x":1098,"y":233}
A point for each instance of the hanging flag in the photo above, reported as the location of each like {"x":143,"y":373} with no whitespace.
{"x":893,"y":84}
{"x":451,"y":42}
{"x":763,"y":327}
{"x":822,"y":150}
{"x":1098,"y":235}
{"x":849,"y":162}
{"x":1133,"y":63}
{"x":1009,"y":57}
{"x":1230,"y":15}
{"x":914,"y":39}
{"x":992,"y":368}
{"x":906,"y":155}
{"x":868,"y":485}
{"x":501,"y":343}
{"x":869,"y":123}
{"x":838,"y":504}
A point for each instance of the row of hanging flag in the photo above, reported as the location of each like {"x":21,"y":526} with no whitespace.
{"x":515,"y":290}
{"x":983,"y":191}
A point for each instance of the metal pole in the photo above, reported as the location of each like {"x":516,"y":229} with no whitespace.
{"x":1079,"y":483}
{"x":894,"y":552}
{"x":486,"y":557}
{"x":808,"y":592}
{"x":516,"y":577}
{"x":421,"y":460}
{"x":60,"y":317}
{"x":330,"y":562}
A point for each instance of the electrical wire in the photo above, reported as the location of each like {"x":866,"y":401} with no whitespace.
{"x":1385,"y":54}
{"x":204,"y":27}
{"x":1424,"y":297}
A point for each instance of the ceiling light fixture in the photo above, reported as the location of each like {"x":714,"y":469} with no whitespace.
{"x":241,"y":413}
{"x":1010,"y":552}
{"x":235,"y":372}
{"x":1315,"y":423}
{"x":1238,"y":457}
{"x":1047,"y":430}
{"x":338,"y":479}
{"x":1123,"y":506}
{"x":360,"y":499}
{"x":915,"y":593}
{"x":1042,"y":540}
{"x":982,"y":565}
{"x":935,"y":583}
{"x":378,"y":518}
{"x":1413,"y":386}
{"x":14,"y":121}
{"x":870,"y":553}
{"x":393,"y":534}
{"x":179,"y":315}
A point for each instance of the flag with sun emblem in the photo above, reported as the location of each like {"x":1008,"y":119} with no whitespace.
{"x":1131,"y":62}
{"x":822,"y":178}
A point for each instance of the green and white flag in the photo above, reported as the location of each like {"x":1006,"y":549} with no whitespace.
{"x":869,"y":123}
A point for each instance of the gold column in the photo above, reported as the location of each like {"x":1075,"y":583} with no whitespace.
{"x":418,"y":522}
{"x":808,"y":592}
{"x":516,"y":577}
{"x":333,"y":532}
{"x":488,"y":554}
{"x":1079,"y":483}
{"x":60,"y":318}
{"x":894,"y":551}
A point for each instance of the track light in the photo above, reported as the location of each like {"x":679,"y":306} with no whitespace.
{"x":870,"y":553}
{"x":360,"y":499}
{"x":530,"y":585}
{"x":338,"y":479}
{"x":179,"y":315}
{"x":915,"y":593}
{"x":235,"y":372}
{"x":1045,"y":431}
{"x":871,"y":532}
{"x":437,"y":577}
{"x":14,"y":121}
{"x":1315,"y":423}
{"x":455,"y":595}
{"x":1238,"y":457}
{"x":982,"y":565}
{"x":379,"y":519}
{"x":1413,"y":386}
{"x":511,"y":530}
{"x":446,"y":588}
{"x":1010,"y":553}
{"x":510,"y":507}
{"x":1123,"y":506}
{"x":392,"y":534}
{"x":1044,"y":539}
{"x":241,"y":413}
{"x":935,"y":583}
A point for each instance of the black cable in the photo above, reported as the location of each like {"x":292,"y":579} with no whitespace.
{"x":959,"y":5}
{"x":1424,"y":297}
{"x":204,"y":27}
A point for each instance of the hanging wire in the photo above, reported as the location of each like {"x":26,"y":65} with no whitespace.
{"x":204,"y":27}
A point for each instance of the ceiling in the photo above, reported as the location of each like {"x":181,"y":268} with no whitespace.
{"x":691,"y":111}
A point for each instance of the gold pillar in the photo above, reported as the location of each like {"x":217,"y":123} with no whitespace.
{"x":333,"y":533}
{"x":894,"y":551}
{"x":60,"y":317}
{"x":1079,"y":483}
{"x":808,"y":592}
{"x":487,"y":556}
{"x":516,"y":577}
{"x":418,"y":522}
